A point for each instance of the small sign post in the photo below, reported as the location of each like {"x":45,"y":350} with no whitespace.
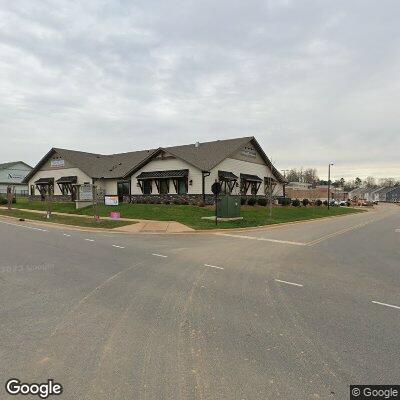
{"x":216,"y":189}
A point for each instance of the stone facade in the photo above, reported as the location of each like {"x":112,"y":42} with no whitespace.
{"x":192,"y":199}
{"x":55,"y":198}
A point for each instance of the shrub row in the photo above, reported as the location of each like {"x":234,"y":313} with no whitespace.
{"x":252,"y":201}
{"x":159,"y":201}
{"x":3,"y":201}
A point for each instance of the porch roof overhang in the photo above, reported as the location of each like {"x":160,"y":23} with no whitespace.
{"x":169,"y":174}
{"x":227,"y":176}
{"x":67,"y":179}
{"x":45,"y":181}
{"x":251,"y":178}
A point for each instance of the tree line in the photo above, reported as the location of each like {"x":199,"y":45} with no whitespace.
{"x":310,"y":175}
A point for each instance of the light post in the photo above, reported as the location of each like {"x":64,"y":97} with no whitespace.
{"x":284,"y":179}
{"x":329,"y":184}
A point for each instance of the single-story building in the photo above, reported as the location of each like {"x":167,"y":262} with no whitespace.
{"x":12,"y":174}
{"x":382,"y":193}
{"x":372,"y":194}
{"x":166,"y":173}
{"x":319,"y":192}
{"x":357,"y":194}
{"x":393,"y":195}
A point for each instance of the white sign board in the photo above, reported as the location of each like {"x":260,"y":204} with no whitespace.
{"x":248,"y":152}
{"x":86,"y":192}
{"x":111,"y":200}
{"x":57,"y":163}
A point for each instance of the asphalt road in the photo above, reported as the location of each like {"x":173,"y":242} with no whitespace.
{"x":294,"y":312}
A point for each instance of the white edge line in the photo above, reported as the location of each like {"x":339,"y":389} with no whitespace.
{"x":289,"y":283}
{"x":118,"y":247}
{"x":212,"y":266}
{"x":262,"y":239}
{"x":159,"y":255}
{"x":385,"y":304}
{"x":282,"y":241}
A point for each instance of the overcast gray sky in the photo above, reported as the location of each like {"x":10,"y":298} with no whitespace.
{"x":313,"y":81}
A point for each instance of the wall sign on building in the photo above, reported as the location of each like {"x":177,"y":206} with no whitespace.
{"x":249,"y":152}
{"x":57,"y":163}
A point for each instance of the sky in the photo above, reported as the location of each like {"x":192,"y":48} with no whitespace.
{"x":314,"y":81}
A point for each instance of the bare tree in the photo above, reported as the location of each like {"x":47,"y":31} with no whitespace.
{"x":387,"y":182}
{"x":10,"y":196}
{"x":370,"y":182}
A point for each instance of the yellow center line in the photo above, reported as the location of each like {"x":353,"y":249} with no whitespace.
{"x":342,"y":231}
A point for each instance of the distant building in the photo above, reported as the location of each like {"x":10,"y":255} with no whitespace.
{"x":300,"y":190}
{"x":393,"y":195}
{"x":357,"y":194}
{"x":12,"y":174}
{"x":380,"y":194}
{"x":372,"y":194}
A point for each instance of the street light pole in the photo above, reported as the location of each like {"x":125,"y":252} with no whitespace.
{"x":329,"y":185}
{"x":284,"y":185}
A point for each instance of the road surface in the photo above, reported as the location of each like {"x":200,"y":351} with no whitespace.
{"x":293,"y":312}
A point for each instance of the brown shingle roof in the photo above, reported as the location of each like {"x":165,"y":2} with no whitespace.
{"x":12,"y":163}
{"x":205,"y":156}
{"x":97,"y":165}
{"x":208,"y":154}
{"x":104,"y":166}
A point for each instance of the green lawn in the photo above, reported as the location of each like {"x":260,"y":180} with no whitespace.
{"x":67,"y":220}
{"x":191,"y":215}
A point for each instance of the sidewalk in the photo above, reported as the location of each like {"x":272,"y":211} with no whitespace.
{"x":137,"y":226}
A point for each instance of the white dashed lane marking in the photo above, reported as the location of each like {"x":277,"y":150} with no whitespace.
{"x":212,"y":266}
{"x":386,"y":305}
{"x":24,"y":226}
{"x":159,"y":255}
{"x":289,"y":283}
{"x":89,"y":240}
{"x":66,"y":234}
{"x":118,"y":247}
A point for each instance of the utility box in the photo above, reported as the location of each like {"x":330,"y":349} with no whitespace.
{"x":228,"y":206}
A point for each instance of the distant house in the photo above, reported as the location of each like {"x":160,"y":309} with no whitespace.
{"x":164,"y":174}
{"x":393,"y":195}
{"x":357,"y":194}
{"x":374,"y":194}
{"x":383,"y":193}
{"x":13,"y":174}
{"x":369,"y":194}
